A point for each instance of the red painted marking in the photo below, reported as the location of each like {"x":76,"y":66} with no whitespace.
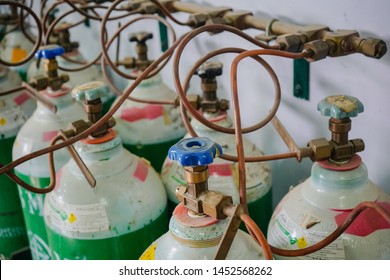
{"x":366,"y":223}
{"x":224,"y":169}
{"x":181,"y":215}
{"x":21,"y":98}
{"x":149,"y":112}
{"x":141,"y":171}
{"x":48,"y":135}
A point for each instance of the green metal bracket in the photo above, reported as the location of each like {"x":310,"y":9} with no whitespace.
{"x":301,"y":79}
{"x":163,"y":35}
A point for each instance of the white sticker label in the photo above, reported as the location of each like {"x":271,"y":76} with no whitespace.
{"x":77,"y":218}
{"x":285,"y":233}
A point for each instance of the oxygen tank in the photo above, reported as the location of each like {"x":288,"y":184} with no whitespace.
{"x":193,"y":234}
{"x":15,"y":108}
{"x":36,"y":134}
{"x":148,"y":130}
{"x":122,"y":214}
{"x":315,"y":208}
{"x":224,"y":174}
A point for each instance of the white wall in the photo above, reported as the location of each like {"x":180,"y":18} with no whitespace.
{"x":366,"y":78}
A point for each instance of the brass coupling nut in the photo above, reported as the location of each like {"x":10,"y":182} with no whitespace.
{"x":318,"y":49}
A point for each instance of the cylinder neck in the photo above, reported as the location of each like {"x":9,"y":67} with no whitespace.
{"x":220,"y":118}
{"x":61,"y":98}
{"x":195,"y":231}
{"x":100,"y":150}
{"x":328,"y":175}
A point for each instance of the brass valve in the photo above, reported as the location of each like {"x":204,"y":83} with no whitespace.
{"x":141,"y":62}
{"x":208,"y":72}
{"x":340,"y":108}
{"x":91,"y":93}
{"x":195,"y":154}
{"x":61,"y":36}
{"x":52,"y":79}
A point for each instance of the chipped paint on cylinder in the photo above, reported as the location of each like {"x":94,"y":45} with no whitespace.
{"x":314,"y":209}
{"x":123,"y":213}
{"x":186,"y":242}
{"x":34,"y":135}
{"x":149,"y":130}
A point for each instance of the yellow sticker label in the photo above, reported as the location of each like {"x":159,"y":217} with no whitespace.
{"x":302,"y":243}
{"x":72,"y":218}
{"x":3,"y":121}
{"x":167,"y":117}
{"x":149,"y":253}
{"x":18,"y":54}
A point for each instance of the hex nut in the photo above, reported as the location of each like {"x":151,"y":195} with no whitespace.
{"x":78,"y":126}
{"x":40,"y":82}
{"x":216,"y":20}
{"x":358,"y":145}
{"x":198,"y":19}
{"x":213,"y":203}
{"x":373,"y":47}
{"x":291,"y":42}
{"x":236,"y":18}
{"x":321,"y":149}
{"x":318,"y":48}
{"x":224,"y":104}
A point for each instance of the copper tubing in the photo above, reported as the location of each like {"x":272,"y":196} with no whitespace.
{"x":237,"y":114}
{"x":336,"y":234}
{"x":51,"y":8}
{"x":21,"y":23}
{"x":47,"y":13}
{"x":289,"y":141}
{"x":260,"y":238}
{"x":80,"y":163}
{"x":198,"y":116}
{"x":51,"y":28}
{"x":181,"y":90}
{"x":102,"y":121}
{"x":31,"y":188}
{"x":240,"y":151}
{"x":38,"y":41}
{"x":202,"y":119}
{"x":37,"y":96}
{"x":57,"y":20}
{"x":82,"y":12}
{"x":10,"y":91}
{"x":119,"y":92}
{"x":237,"y":118}
{"x":106,"y":45}
{"x":168,"y":14}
